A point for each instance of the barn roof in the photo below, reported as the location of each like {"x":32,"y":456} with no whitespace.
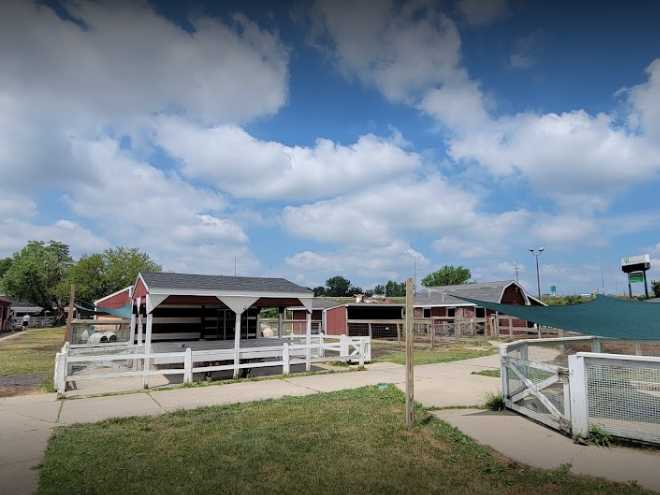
{"x":182,"y":281}
{"x":444,"y":296}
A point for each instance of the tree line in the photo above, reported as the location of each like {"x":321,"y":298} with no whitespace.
{"x":339,"y":286}
{"x":42,"y":273}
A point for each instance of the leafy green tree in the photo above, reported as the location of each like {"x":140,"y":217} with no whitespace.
{"x":655,"y":285}
{"x":395,"y":289}
{"x":337,"y":286}
{"x":36,"y":274}
{"x":319,"y":291}
{"x":447,"y":275}
{"x":121,"y":266}
{"x":379,"y":289}
{"x":5,"y":264}
{"x":89,"y":278}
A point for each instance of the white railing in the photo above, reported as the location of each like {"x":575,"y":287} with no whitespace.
{"x":618,"y":394}
{"x":135,"y":361}
{"x":576,"y":391}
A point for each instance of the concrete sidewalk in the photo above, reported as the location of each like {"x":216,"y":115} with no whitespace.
{"x":527,"y":442}
{"x":26,"y":421}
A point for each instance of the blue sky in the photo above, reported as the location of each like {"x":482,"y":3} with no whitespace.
{"x":307,"y":139}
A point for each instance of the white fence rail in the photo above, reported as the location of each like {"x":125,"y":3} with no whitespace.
{"x":134,"y":361}
{"x":575,"y":391}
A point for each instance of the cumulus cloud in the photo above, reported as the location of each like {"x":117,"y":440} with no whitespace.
{"x":377,"y":214}
{"x":142,"y":205}
{"x":395,"y":260}
{"x":122,"y":58}
{"x":14,"y":234}
{"x":234,"y":161}
{"x":400,"y":49}
{"x":483,"y":12}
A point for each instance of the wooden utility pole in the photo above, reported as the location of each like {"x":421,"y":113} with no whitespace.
{"x":69,"y":317}
{"x":410,"y":343}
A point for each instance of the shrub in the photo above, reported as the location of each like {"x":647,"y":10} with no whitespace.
{"x":494,"y":402}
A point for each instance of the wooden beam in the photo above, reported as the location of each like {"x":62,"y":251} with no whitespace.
{"x":410,"y":343}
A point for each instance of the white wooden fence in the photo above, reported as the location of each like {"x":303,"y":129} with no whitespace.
{"x":133,"y":360}
{"x":617,"y":393}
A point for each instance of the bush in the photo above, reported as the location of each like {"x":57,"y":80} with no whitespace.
{"x":599,"y":437}
{"x":494,"y":402}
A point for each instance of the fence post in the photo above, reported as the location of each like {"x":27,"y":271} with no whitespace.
{"x":504,"y":377}
{"x":362,"y":352}
{"x":343,"y":346}
{"x":61,"y":374}
{"x":188,"y":367}
{"x":286,"y":367}
{"x":596,"y":346}
{"x":367,"y":357}
{"x":432,"y":330}
{"x":578,"y":393}
{"x":321,"y":344}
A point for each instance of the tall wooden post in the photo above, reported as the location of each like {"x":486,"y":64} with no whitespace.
{"x":68,"y":335}
{"x":410,"y":342}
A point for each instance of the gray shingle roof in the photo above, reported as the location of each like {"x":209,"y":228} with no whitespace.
{"x":165,"y":280}
{"x":438,"y":296}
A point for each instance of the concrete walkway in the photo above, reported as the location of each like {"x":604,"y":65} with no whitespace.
{"x":527,"y":442}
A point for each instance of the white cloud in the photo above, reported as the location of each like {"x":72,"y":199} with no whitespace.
{"x":645,"y":101}
{"x":567,"y":229}
{"x":483,"y":12}
{"x":139,"y":205}
{"x":128,"y":60}
{"x":14,"y":234}
{"x":234,"y":161}
{"x":376,"y":215}
{"x":401,"y":50}
{"x":574,"y":157}
{"x":395,"y":260}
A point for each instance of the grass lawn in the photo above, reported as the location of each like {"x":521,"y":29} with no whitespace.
{"x":342,"y":442}
{"x":26,"y":361}
{"x":442,"y":352}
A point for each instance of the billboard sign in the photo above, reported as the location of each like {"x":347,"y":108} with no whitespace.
{"x":636,"y":277}
{"x":630,"y":264}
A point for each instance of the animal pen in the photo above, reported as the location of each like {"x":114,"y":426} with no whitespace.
{"x":198,"y":326}
{"x":608,"y":383}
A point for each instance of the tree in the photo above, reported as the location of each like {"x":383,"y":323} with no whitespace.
{"x":395,"y":289}
{"x":337,"y":286}
{"x":447,"y":275}
{"x":88,"y":276}
{"x":379,"y":289}
{"x":121,"y":266}
{"x":36,"y":274}
{"x":319,"y":291}
{"x":655,"y":285}
{"x":5,"y":263}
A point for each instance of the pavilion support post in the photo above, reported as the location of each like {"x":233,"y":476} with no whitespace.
{"x":140,"y":327}
{"x":280,"y":321}
{"x":237,"y":344}
{"x":131,"y":329}
{"x":147,"y":352}
{"x":308,"y":342}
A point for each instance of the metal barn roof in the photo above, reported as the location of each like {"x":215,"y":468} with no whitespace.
{"x":166,"y":280}
{"x":444,"y":295}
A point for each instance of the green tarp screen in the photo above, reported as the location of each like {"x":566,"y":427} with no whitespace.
{"x":603,"y":317}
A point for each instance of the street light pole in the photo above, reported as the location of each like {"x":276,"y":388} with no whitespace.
{"x":537,"y":253}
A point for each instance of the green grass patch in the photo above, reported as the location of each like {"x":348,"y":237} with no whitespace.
{"x":31,"y":353}
{"x":425,"y":355}
{"x":342,"y":442}
{"x":494,"y":372}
